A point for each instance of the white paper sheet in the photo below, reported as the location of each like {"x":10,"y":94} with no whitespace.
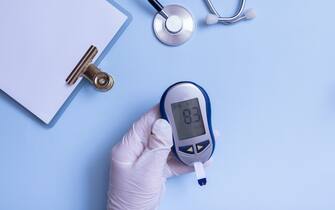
{"x":43,"y":40}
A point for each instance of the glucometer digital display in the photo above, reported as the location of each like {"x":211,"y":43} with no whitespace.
{"x":188,"y":119}
{"x":187,"y":107}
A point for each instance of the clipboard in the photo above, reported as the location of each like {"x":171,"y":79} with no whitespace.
{"x":45,"y":42}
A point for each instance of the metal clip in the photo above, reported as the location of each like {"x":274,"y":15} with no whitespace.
{"x":101,"y":80}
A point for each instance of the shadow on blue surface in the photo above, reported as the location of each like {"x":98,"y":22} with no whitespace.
{"x":145,"y":6}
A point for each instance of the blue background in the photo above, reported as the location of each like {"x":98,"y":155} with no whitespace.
{"x":272,"y":85}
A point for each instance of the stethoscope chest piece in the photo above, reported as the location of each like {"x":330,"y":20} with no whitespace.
{"x":177,"y":28}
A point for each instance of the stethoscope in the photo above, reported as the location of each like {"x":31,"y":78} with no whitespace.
{"x":174,"y":25}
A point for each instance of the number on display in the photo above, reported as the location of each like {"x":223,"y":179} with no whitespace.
{"x":191,"y":115}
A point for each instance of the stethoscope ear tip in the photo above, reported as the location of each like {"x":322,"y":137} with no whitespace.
{"x":212,"y":19}
{"x":250,"y":14}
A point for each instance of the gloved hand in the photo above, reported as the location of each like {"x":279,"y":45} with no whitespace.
{"x":141,"y":163}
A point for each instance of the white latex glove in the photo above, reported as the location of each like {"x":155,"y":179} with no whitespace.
{"x":140,"y":164}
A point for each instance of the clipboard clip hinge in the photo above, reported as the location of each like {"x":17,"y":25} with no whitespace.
{"x":101,"y":80}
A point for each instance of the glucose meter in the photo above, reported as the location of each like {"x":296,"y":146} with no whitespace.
{"x":186,"y":106}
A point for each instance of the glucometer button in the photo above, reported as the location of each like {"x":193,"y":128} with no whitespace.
{"x":187,"y":149}
{"x":202,"y":146}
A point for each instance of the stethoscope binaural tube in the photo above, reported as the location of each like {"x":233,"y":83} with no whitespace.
{"x":241,"y":14}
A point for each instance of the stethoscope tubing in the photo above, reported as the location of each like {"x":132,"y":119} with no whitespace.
{"x":228,"y":20}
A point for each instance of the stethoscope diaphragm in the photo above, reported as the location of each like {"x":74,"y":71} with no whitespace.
{"x":177,"y":28}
